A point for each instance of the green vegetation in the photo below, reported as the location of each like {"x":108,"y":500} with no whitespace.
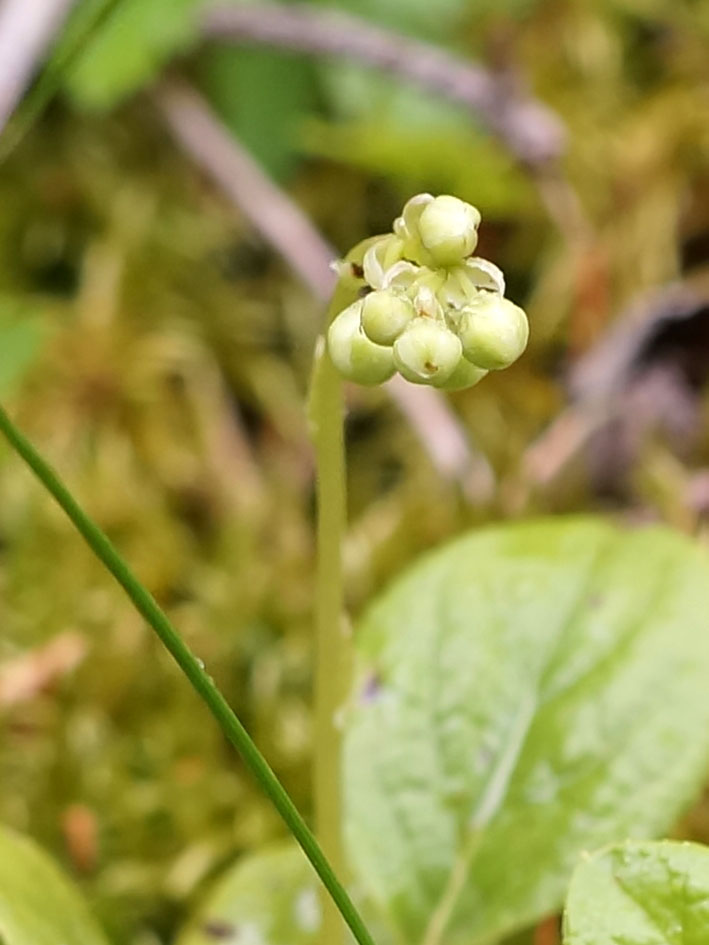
{"x":158,"y":352}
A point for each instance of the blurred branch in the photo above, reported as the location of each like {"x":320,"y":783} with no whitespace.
{"x":531,"y":130}
{"x":27,"y":27}
{"x":644,"y":372}
{"x":446,"y":441}
{"x":283,"y":225}
{"x":274,"y":215}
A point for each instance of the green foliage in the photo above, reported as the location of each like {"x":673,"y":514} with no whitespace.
{"x":456,"y":159}
{"x":272,"y":893}
{"x":264,"y":98}
{"x":640,"y":894}
{"x":130,"y":47}
{"x":38,"y":904}
{"x":271,"y":897}
{"x":525,"y":693}
{"x":172,"y":323}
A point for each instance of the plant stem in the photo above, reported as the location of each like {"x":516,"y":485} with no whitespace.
{"x":326,"y":416}
{"x":193,"y":670}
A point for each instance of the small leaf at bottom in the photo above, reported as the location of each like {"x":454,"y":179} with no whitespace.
{"x":38,"y":904}
{"x":640,"y":894}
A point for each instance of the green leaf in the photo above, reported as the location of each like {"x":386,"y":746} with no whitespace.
{"x":130,"y":47}
{"x":640,"y":894}
{"x":456,"y":159}
{"x":268,"y":897}
{"x":38,"y":904}
{"x":263,"y":97}
{"x":523,"y":694}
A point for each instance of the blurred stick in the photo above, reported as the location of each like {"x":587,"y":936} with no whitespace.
{"x":530,"y":129}
{"x":273,"y":215}
{"x":283,"y":225}
{"x":26,"y":29}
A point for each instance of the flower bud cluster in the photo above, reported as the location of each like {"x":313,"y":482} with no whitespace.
{"x":428,"y":308}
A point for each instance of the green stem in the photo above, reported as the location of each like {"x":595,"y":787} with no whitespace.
{"x":326,"y":416}
{"x":193,"y":670}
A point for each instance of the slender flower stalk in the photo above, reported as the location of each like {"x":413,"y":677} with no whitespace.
{"x":332,"y":658}
{"x":416,"y":301}
{"x":193,"y":669}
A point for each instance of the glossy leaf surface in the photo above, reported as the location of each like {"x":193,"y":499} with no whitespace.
{"x":38,"y":904}
{"x":640,"y":894}
{"x":269,"y":897}
{"x":527,"y":692}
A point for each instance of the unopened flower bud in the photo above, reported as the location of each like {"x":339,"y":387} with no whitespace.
{"x":353,"y":354}
{"x":427,"y":352}
{"x":493,"y":330}
{"x":447,"y":228}
{"x":385,"y":315}
{"x":466,"y":374}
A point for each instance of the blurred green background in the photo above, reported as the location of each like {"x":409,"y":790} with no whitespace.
{"x":157,"y":349}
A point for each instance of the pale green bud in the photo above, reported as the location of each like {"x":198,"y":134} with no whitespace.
{"x":427,"y":352}
{"x":493,"y":330}
{"x":385,"y":315}
{"x":465,"y":375}
{"x":447,"y":229}
{"x":353,"y":354}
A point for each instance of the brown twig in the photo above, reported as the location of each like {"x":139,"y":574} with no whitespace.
{"x":283,"y":225}
{"x":531,"y":130}
{"x":26,"y":30}
{"x":642,"y":372}
{"x":447,"y":444}
{"x":272,"y":214}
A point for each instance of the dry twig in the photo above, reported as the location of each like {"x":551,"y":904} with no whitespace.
{"x":26,"y":30}
{"x":534,"y":134}
{"x":531,"y":130}
{"x":272,"y":214}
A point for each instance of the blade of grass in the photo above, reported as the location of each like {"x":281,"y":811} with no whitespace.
{"x":191,"y":667}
